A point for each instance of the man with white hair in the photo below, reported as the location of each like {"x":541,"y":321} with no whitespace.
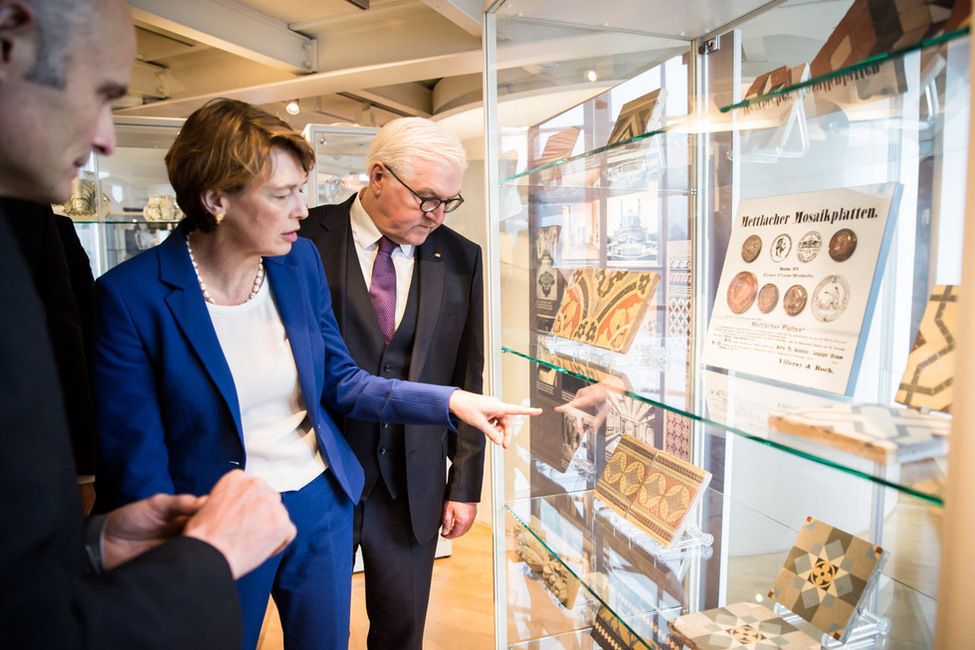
{"x":407,"y":292}
{"x":159,"y":572}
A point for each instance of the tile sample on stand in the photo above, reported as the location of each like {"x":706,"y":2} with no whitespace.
{"x":651,"y":488}
{"x":671,"y":489}
{"x":741,"y":625}
{"x":883,"y":434}
{"x":624,"y":474}
{"x":928,"y":380}
{"x":605,"y":307}
{"x":827,"y":576}
{"x":639,"y":116}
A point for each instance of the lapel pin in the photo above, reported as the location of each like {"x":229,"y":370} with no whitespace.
{"x":437,"y":255}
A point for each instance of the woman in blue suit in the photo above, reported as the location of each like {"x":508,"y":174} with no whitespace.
{"x":218,"y":350}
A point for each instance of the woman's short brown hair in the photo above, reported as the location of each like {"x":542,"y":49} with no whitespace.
{"x":224,"y":145}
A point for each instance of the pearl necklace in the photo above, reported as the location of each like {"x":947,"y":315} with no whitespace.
{"x":258,"y":280}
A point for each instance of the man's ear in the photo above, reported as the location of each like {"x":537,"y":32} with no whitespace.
{"x":18,"y":43}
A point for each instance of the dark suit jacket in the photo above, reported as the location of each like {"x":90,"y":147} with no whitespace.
{"x":179,"y":595}
{"x":63,"y":279}
{"x":168,"y":417}
{"x":448,"y":349}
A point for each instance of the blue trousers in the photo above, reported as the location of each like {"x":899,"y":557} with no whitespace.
{"x":311,"y":580}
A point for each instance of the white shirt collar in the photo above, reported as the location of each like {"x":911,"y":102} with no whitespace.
{"x":364,"y":231}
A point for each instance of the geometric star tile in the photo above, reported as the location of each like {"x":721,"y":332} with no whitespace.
{"x":826,"y":576}
{"x":928,"y":377}
{"x":741,"y":625}
{"x":883,"y":434}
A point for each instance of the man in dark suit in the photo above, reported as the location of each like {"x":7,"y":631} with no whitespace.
{"x":62,"y":276}
{"x":160,"y":571}
{"x":433,"y":333}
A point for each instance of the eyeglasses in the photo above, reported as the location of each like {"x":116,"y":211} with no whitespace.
{"x":430,"y":203}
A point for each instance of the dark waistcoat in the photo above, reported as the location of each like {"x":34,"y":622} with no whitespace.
{"x":379,"y":447}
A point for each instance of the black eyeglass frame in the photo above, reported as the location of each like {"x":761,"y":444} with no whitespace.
{"x":449,"y":205}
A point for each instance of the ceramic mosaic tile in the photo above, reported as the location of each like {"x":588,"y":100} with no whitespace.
{"x":928,"y":378}
{"x":883,"y":434}
{"x":872,"y":27}
{"x":605,"y":308}
{"x":672,"y":487}
{"x":610,"y":633}
{"x":742,"y":625}
{"x":826,"y":576}
{"x":624,"y":297}
{"x":639,"y":116}
{"x":578,"y":301}
{"x":651,"y":488}
{"x":625,"y":473}
{"x":559,"y":146}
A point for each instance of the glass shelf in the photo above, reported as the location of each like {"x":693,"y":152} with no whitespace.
{"x":741,"y":406}
{"x":615,"y":569}
{"x":842,"y":75}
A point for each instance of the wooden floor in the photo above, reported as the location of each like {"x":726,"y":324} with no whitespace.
{"x":461,"y":604}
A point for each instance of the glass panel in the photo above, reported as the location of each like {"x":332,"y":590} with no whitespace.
{"x":340,"y":153}
{"x":735,"y":539}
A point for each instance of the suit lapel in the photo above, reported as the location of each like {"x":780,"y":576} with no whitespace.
{"x":431,"y":275}
{"x":189,"y":310}
{"x":335,"y":238}
{"x":290,"y":295}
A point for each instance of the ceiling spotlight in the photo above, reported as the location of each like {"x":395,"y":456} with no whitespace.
{"x":292,"y":107}
{"x":591,"y":75}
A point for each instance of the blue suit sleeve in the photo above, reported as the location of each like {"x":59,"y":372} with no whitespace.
{"x":131,"y":439}
{"x":355,"y":393}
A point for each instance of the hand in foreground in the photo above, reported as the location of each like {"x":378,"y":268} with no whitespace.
{"x":489,"y":414}
{"x":458,"y":517}
{"x":135,"y":528}
{"x":244,"y":519}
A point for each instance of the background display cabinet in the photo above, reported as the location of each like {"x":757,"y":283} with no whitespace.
{"x":729,"y":259}
{"x":123,"y":204}
{"x":340,"y":153}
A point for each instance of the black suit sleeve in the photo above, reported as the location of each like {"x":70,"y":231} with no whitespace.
{"x":466,"y":450}
{"x":180,"y":595}
{"x":62,"y":276}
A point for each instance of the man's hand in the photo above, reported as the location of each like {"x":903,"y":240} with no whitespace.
{"x":489,"y":414}
{"x":458,"y":517}
{"x":244,"y":519}
{"x":135,"y":528}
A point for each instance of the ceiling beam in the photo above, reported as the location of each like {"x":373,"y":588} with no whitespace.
{"x":466,"y":14}
{"x":232,"y":27}
{"x":409,"y":98}
{"x":351,"y":80}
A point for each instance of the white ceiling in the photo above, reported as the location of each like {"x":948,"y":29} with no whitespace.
{"x":404,"y":57}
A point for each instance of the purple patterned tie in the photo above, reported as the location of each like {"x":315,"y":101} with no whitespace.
{"x":382,"y":289}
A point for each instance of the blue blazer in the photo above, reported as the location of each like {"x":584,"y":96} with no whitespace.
{"x":168,"y":417}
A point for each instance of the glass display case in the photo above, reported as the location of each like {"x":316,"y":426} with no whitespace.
{"x":123,"y":204}
{"x":716,"y":244}
{"x":340,"y":153}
